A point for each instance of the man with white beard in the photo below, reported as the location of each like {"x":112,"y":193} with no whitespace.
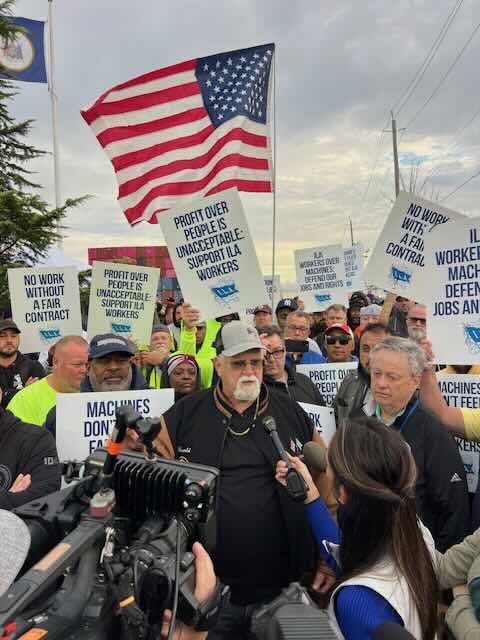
{"x":417,"y":322}
{"x":263,"y":540}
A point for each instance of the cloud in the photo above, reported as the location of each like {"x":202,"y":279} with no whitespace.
{"x":339,"y":70}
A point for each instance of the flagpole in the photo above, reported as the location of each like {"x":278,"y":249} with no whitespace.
{"x":53,"y":101}
{"x":274,"y":175}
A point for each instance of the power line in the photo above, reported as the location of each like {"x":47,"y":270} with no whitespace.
{"x":428,"y":59}
{"x":444,"y":77}
{"x":374,"y":164}
{"x":435,"y":169}
{"x":475,"y":175}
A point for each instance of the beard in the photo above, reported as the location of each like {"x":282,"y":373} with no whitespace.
{"x":9,"y":350}
{"x":106,"y":385}
{"x":417,"y":333}
{"x":245,"y":391}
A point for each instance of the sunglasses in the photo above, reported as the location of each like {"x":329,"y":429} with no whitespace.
{"x":341,"y":339}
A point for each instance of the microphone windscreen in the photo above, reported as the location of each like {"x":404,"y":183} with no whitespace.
{"x":315,"y":456}
{"x":391,"y":631}
{"x":15,"y":544}
{"x":269,"y":423}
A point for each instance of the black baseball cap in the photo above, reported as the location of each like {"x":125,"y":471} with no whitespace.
{"x":9,"y":324}
{"x":106,"y":343}
{"x":287,"y":303}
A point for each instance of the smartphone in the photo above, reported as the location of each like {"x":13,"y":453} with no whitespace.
{"x":297,"y":346}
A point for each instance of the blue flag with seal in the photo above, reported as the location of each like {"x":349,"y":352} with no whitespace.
{"x":24,"y":58}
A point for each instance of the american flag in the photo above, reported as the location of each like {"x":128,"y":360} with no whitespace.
{"x":188,"y":130}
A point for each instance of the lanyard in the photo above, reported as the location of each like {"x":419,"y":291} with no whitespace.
{"x":412,"y":409}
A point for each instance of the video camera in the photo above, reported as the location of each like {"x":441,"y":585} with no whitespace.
{"x":113,"y":550}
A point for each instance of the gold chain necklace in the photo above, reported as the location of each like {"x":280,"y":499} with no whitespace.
{"x":240,"y":434}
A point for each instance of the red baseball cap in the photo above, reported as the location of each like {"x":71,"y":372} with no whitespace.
{"x":339,"y":327}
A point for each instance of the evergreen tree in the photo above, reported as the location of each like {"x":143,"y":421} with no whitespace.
{"x":28,"y":227}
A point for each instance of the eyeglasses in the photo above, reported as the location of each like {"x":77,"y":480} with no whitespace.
{"x":419,"y":320}
{"x":341,"y":339}
{"x":296,"y":329}
{"x":277,"y":354}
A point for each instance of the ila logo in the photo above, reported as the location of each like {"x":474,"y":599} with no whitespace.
{"x":121,"y":328}
{"x":49,"y":335}
{"x":471,"y":333}
{"x":225,"y":292}
{"x":400,"y":276}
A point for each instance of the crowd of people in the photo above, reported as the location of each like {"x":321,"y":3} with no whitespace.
{"x":387,"y":535}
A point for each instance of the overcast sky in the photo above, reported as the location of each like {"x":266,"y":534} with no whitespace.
{"x":340,"y":67}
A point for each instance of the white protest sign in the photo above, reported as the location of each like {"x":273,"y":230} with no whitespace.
{"x":327,"y":377}
{"x":45,"y":305}
{"x":397,"y":260}
{"x":354,"y":267}
{"x":269,"y":285}
{"x":213,"y":254}
{"x":85,"y":420}
{"x":463,"y":391}
{"x":452,"y":293}
{"x":122,"y":300}
{"x":273,"y":287}
{"x":322,"y":418}
{"x":321,"y":276}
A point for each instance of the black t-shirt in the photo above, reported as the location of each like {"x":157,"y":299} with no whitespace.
{"x":249,"y":520}
{"x":253,"y":554}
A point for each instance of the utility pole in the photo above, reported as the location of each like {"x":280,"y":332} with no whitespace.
{"x":395,"y":156}
{"x":396,"y":166}
{"x":351,"y":231}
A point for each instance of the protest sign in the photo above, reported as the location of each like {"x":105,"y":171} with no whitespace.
{"x":45,"y":305}
{"x":452,"y":293}
{"x":85,"y":420}
{"x":273,"y":290}
{"x":464,"y":391}
{"x":122,"y":300}
{"x":354,"y":267}
{"x":322,"y":418}
{"x":213,"y":255}
{"x":327,"y":377}
{"x":269,"y":285}
{"x":321,"y":276}
{"x":398,"y":258}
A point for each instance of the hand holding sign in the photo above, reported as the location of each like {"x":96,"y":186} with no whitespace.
{"x":190,"y":316}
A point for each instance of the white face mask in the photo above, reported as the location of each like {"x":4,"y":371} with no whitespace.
{"x":247,"y":389}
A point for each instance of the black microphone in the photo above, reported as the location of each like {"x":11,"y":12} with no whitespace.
{"x":296,"y":485}
{"x":315,"y":456}
{"x":391,"y":631}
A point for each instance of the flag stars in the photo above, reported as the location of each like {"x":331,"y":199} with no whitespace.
{"x":213,"y":74}
{"x":206,"y":67}
{"x":218,"y":63}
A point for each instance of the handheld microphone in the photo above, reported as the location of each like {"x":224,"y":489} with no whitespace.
{"x":315,"y":456}
{"x":296,"y":485}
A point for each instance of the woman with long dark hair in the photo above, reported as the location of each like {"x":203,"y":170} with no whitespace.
{"x":382,"y":554}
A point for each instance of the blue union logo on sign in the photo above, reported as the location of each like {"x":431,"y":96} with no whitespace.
{"x":49,"y":335}
{"x":225,"y":292}
{"x":121,"y":328}
{"x":323,"y":297}
{"x":399,"y":276}
{"x":472,"y":337}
